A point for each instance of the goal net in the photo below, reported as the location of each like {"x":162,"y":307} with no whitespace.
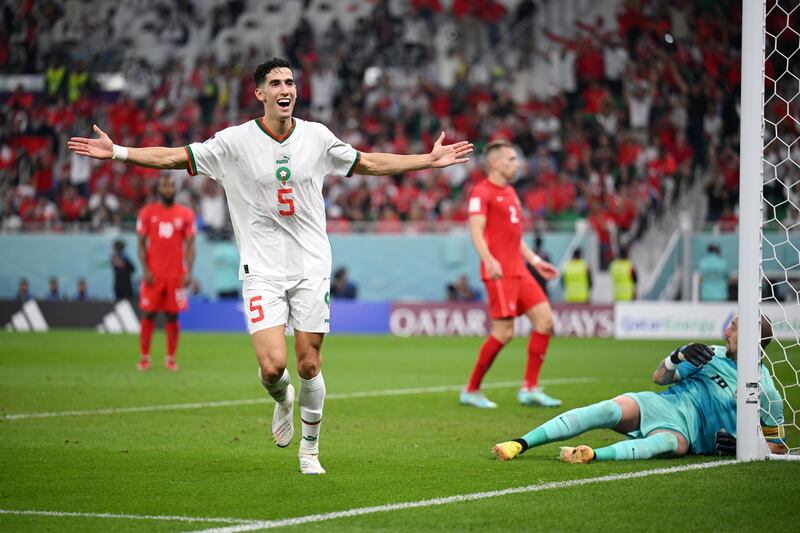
{"x":771,"y":214}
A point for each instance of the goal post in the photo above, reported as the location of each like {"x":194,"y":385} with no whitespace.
{"x":750,"y":188}
{"x":769,"y":225}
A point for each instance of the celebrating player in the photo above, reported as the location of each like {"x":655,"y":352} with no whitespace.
{"x":495,"y":222}
{"x":272,"y":170}
{"x":165,"y":229}
{"x":696,"y":414}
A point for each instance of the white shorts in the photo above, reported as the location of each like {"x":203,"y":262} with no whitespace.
{"x":303,"y":304}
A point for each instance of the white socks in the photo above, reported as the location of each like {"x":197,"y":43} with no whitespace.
{"x":278,"y":389}
{"x":312,"y":398}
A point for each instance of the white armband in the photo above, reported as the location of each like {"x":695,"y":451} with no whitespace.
{"x":119,"y":153}
{"x":669,"y":365}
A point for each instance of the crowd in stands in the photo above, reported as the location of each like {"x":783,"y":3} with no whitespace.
{"x":613,"y":117}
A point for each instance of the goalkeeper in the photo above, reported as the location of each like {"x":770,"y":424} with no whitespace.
{"x":696,"y":414}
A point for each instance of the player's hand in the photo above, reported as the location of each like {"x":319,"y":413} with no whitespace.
{"x":444,"y":156}
{"x":725,"y":443}
{"x":99,"y":148}
{"x":494,"y":269}
{"x":696,"y":354}
{"x":148,"y":276}
{"x":187,"y":280}
{"x":547,"y":270}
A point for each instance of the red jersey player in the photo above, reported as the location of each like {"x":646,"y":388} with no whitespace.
{"x":164,"y":230}
{"x":495,"y":222}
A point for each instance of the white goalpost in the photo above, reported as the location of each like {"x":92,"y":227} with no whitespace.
{"x":769,"y":223}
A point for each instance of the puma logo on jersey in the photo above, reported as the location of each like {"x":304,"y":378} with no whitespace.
{"x":500,"y":198}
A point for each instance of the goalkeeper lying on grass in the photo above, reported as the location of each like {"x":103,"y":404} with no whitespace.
{"x":691,"y":416}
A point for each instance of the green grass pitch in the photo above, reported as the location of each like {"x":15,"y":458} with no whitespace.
{"x":218,"y":461}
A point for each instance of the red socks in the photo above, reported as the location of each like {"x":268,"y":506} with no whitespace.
{"x":489,"y":350}
{"x":537,"y":348}
{"x":173,"y":330}
{"x":146,"y":335}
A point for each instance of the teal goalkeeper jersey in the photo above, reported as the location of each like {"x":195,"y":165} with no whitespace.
{"x":707,"y":399}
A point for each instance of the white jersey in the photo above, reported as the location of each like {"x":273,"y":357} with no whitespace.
{"x":274,"y":190}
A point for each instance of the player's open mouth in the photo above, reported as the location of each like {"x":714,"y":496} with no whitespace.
{"x":284,"y":102}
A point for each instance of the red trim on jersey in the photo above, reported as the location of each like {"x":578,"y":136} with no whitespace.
{"x":355,"y":164}
{"x":265,"y":129}
{"x":192,"y":170}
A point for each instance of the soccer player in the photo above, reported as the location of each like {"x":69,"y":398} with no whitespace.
{"x":272,"y":170}
{"x":166,"y":250}
{"x":696,"y":414}
{"x":495,"y":223}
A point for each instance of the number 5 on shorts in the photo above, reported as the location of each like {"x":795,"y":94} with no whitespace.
{"x":255,"y":307}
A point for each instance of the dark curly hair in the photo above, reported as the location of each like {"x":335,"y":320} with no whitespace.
{"x":268,"y":66}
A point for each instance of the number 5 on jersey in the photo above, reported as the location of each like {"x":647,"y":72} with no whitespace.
{"x":286,"y":201}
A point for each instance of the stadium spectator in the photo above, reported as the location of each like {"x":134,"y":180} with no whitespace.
{"x":123,"y":272}
{"x":195,"y":294}
{"x":623,"y":277}
{"x":690,"y":417}
{"x":461,"y":291}
{"x":23,"y":291}
{"x":53,"y":292}
{"x":714,"y":275}
{"x":577,"y":279}
{"x":341,"y":286}
{"x":81,"y":291}
{"x":495,"y":225}
{"x":538,"y":249}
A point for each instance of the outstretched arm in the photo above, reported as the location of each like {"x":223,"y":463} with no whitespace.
{"x":377,"y":164}
{"x":102,"y":148}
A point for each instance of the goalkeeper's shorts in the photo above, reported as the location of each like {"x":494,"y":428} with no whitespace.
{"x":657,"y":412}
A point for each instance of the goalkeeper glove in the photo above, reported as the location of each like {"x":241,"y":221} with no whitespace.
{"x":696,"y":354}
{"x":725,"y":443}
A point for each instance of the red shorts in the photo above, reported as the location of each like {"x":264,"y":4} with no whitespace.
{"x":511,"y":297}
{"x":166,"y":295}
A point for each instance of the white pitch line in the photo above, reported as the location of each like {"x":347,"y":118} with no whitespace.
{"x":28,"y":512}
{"x":360,"y":511}
{"x":234,"y":403}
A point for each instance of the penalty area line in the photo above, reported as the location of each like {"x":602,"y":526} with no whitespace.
{"x":360,"y":511}
{"x":235,"y":403}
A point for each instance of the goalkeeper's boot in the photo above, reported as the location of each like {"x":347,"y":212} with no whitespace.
{"x":578,"y":454}
{"x":309,"y":461}
{"x":536,"y":396}
{"x":144,"y":364}
{"x":476,"y":399}
{"x":505,"y":451}
{"x":283,"y":419}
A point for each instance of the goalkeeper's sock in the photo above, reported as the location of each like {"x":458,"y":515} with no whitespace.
{"x":145,"y":336}
{"x":537,"y":348}
{"x":489,"y":350}
{"x":661,"y":443}
{"x":605,"y":414}
{"x":312,"y":399}
{"x":276,"y":390}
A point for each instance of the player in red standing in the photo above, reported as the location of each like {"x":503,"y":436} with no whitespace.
{"x":495,"y":221}
{"x":166,"y":250}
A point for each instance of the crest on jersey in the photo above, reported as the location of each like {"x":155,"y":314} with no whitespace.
{"x":283,"y":174}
